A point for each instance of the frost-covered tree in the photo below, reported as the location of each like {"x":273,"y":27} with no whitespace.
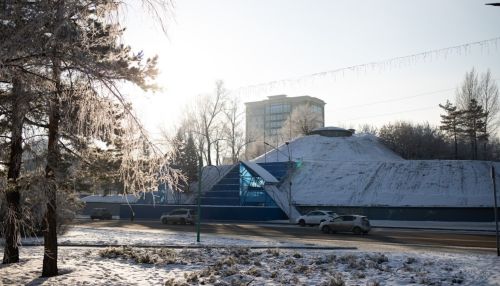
{"x":79,"y":65}
{"x":302,"y":120}
{"x":205,"y":120}
{"x":233,"y":129}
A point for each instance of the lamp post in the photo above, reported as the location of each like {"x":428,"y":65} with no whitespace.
{"x":200,"y":174}
{"x":495,"y":210}
{"x":200,"y":166}
{"x":290,"y":182}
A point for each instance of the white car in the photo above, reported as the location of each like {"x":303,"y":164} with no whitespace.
{"x":315,"y":217}
{"x":350,"y":223}
{"x":181,"y":216}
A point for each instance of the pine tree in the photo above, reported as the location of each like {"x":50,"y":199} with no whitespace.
{"x":72,"y":49}
{"x":451,"y":123}
{"x":190,"y":164}
{"x":474,"y":126}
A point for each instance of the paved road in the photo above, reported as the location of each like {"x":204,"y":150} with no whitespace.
{"x":387,"y":237}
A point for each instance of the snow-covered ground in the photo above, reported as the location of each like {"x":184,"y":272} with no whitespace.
{"x":233,"y":261}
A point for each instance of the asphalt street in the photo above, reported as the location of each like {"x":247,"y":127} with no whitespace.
{"x":377,"y":238}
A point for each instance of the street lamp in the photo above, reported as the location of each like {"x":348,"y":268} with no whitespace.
{"x":290,"y":181}
{"x":200,"y":176}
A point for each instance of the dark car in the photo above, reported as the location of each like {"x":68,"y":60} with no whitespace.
{"x":100,"y":213}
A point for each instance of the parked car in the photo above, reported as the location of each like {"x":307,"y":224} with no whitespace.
{"x":315,"y":217}
{"x":351,"y":223}
{"x":100,"y":213}
{"x":181,"y":216}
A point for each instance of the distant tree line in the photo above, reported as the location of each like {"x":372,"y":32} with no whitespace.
{"x":467,"y":130}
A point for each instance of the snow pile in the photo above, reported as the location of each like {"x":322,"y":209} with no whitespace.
{"x":121,"y":199}
{"x":396,"y":183}
{"x":320,"y":148}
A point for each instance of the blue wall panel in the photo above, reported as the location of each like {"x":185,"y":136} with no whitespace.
{"x":207,"y":212}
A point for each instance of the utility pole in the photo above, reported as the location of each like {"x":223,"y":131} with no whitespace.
{"x":493,"y":178}
{"x":290,"y":178}
{"x":200,"y":163}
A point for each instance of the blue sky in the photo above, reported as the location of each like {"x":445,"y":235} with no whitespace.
{"x":246,"y":43}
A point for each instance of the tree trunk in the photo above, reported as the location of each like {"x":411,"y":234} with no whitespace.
{"x":209,"y":149}
{"x":50,"y":234}
{"x":13,"y":195}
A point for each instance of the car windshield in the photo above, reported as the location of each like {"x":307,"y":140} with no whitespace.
{"x":331,"y":213}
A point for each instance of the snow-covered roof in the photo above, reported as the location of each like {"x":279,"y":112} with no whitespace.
{"x":394,"y":183}
{"x":320,"y":148}
{"x":360,"y":171}
{"x":330,"y":128}
{"x":122,"y":199}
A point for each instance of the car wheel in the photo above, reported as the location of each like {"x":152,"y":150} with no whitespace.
{"x":302,"y":222}
{"x":183,"y":221}
{"x":326,"y":229}
{"x":356,"y":230}
{"x":164,"y":221}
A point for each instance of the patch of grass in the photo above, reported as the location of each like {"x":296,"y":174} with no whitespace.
{"x":239,"y":251}
{"x":289,"y":261}
{"x":336,"y":280}
{"x":372,"y":283}
{"x":273,"y":251}
{"x":191,"y":277}
{"x":173,"y":282}
{"x":142,"y":256}
{"x":254,"y":271}
{"x":358,"y":275}
{"x":325,"y":259}
{"x":348,"y":258}
{"x":301,"y":269}
{"x":410,"y":260}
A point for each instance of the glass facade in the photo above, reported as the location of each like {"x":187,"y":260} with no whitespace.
{"x":252,"y":190}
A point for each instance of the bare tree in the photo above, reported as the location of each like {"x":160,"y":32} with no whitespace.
{"x":205,"y":116}
{"x":367,"y":129}
{"x":302,"y":120}
{"x":233,"y":129}
{"x":488,"y":99}
{"x":468,"y":90}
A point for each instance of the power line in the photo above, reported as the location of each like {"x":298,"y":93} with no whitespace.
{"x":395,"y":99}
{"x":392,"y":113}
{"x":390,"y":62}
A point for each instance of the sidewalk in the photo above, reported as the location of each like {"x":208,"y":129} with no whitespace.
{"x":436,"y":225}
{"x":448,"y":225}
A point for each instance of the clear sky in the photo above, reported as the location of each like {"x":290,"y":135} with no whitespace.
{"x":247,"y":43}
